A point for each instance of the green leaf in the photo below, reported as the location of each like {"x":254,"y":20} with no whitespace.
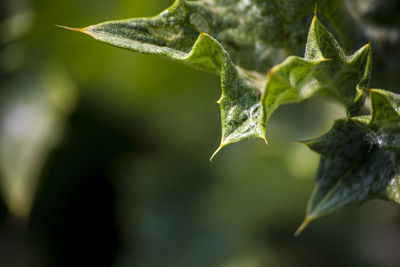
{"x":325,"y":70}
{"x":241,"y":41}
{"x":256,"y":34}
{"x":341,"y":74}
{"x":360,"y":159}
{"x":248,"y":44}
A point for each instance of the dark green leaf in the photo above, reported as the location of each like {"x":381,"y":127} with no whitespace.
{"x":360,"y":159}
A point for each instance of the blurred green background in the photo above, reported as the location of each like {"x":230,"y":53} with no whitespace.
{"x":104,"y":155}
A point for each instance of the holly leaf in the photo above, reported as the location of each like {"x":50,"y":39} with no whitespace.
{"x":360,"y":159}
{"x":241,"y":41}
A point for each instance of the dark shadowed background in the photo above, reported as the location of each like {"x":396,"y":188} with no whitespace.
{"x":104,"y":155}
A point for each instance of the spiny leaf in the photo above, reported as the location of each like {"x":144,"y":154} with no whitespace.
{"x":360,"y":159}
{"x":291,"y":81}
{"x":256,"y":34}
{"x":325,"y":69}
{"x":241,"y":41}
{"x":341,"y":74}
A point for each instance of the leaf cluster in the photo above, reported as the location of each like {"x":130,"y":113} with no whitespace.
{"x":253,"y":46}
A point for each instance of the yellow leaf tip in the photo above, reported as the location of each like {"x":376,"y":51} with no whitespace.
{"x":203,"y":34}
{"x":367,"y":45}
{"x":72,"y":29}
{"x":216,"y":151}
{"x":372,"y":90}
{"x":303,"y":226}
{"x":265,"y":139}
{"x":323,"y":59}
{"x":315,"y":9}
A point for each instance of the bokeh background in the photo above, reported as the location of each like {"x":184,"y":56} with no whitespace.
{"x":104,"y":154}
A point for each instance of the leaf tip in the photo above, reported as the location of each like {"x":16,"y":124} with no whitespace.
{"x":222,"y":145}
{"x":315,"y":9}
{"x":303,"y":226}
{"x":372,"y":91}
{"x":315,"y":17}
{"x":71,"y":29}
{"x":323,"y":59}
{"x":367,"y":46}
{"x":265,"y":139}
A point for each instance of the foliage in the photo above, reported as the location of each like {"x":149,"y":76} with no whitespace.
{"x":242,"y":41}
